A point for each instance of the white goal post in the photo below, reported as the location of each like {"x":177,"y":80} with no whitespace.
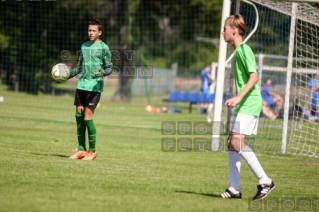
{"x":287,"y":47}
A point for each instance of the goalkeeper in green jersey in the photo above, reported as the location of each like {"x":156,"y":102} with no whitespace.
{"x":93,"y":65}
{"x":247,"y":104}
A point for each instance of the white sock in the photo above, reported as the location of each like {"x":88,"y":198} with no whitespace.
{"x":234,"y":160}
{"x":254,"y":165}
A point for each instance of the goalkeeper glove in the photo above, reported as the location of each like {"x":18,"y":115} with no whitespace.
{"x":97,"y":74}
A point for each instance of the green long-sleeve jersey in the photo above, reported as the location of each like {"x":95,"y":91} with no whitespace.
{"x":93,"y":58}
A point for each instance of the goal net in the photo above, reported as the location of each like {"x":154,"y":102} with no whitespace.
{"x":304,"y":138}
{"x":295,"y":130}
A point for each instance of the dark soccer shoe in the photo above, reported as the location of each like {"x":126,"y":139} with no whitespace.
{"x":264,"y":190}
{"x":229,"y":194}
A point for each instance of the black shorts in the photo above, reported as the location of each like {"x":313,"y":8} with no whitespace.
{"x":86,"y":98}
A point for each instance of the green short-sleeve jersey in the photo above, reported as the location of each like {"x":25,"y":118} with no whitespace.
{"x":244,"y":64}
{"x":93,"y":58}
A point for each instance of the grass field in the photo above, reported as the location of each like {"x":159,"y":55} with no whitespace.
{"x":131,"y":172}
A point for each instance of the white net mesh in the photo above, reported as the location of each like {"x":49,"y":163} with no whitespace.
{"x":270,"y":43}
{"x":304,"y":137}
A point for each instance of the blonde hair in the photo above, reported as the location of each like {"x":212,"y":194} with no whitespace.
{"x":237,"y":21}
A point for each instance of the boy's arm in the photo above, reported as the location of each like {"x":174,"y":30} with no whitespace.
{"x":248,"y":59}
{"x":210,"y":77}
{"x":106,"y":66}
{"x":253,"y":79}
{"x":78,"y":68}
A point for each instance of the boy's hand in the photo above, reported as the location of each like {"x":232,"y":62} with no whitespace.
{"x":233,"y":101}
{"x":97,"y":74}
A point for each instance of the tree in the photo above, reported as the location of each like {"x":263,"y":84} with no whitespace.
{"x":38,"y":32}
{"x":35,"y":33}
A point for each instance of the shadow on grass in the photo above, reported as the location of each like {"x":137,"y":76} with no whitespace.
{"x":55,"y":155}
{"x":203,"y":194}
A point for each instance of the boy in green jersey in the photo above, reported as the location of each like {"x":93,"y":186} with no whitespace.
{"x":247,"y":103}
{"x":94,"y":64}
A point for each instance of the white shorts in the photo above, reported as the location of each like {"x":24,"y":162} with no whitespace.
{"x":244,"y":124}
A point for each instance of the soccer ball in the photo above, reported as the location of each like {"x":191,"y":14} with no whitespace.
{"x":60,"y":73}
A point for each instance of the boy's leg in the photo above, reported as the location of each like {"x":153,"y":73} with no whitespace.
{"x":267,"y":112}
{"x":78,"y":102}
{"x":233,"y":190}
{"x":234,"y":160}
{"x":265,"y":184}
{"x":244,"y":125}
{"x":237,"y":142}
{"x":89,"y":112}
{"x":204,"y":105}
{"x":81,"y":128}
{"x":248,"y":125}
{"x":91,"y":134}
{"x":278,"y":102}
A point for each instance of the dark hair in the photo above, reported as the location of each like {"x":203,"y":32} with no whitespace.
{"x":96,"y":22}
{"x":267,"y":79}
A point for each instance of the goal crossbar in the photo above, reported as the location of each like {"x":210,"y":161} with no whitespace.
{"x":285,"y":7}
